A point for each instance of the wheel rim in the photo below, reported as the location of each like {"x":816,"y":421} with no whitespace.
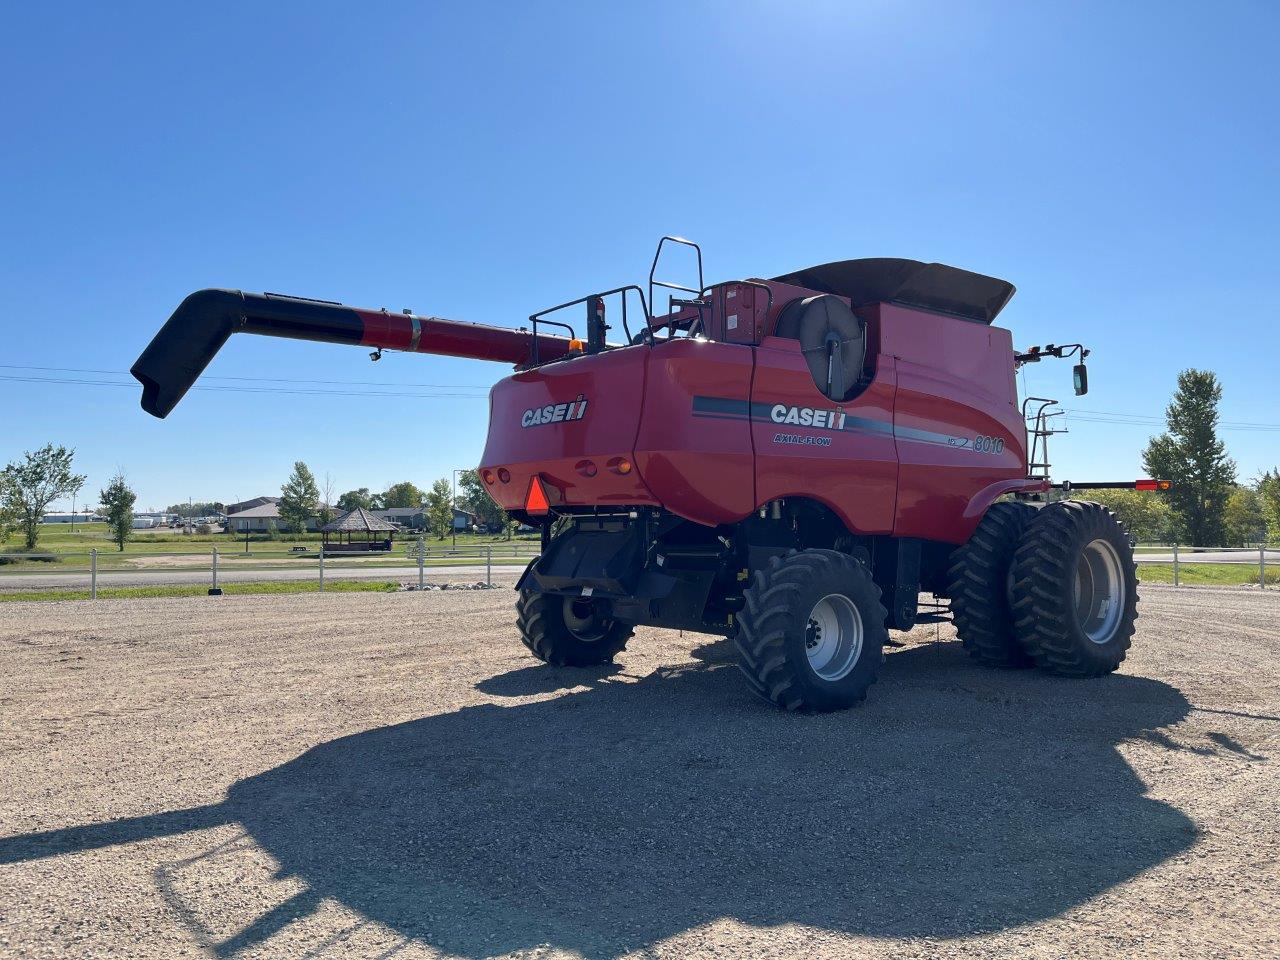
{"x":1099,"y":591}
{"x":583,"y":619}
{"x":833,"y":637}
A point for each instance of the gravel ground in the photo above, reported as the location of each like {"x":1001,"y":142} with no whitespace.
{"x":390,"y":775}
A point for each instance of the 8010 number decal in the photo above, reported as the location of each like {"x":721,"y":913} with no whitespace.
{"x":992,"y":445}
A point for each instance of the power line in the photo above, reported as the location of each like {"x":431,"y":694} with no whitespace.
{"x":72,"y":381}
{"x":354,"y":383}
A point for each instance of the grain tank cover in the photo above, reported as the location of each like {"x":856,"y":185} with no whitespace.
{"x":929,"y":286}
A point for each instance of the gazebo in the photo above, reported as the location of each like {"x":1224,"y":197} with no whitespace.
{"x":358,"y":521}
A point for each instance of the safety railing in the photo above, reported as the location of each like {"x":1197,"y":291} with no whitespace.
{"x":74,"y":571}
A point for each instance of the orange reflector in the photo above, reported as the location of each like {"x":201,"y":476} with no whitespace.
{"x":536,"y":502}
{"x":1152,"y":485}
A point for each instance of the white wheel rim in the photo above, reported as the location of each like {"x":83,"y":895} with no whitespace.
{"x":1099,"y":593}
{"x":833,"y":637}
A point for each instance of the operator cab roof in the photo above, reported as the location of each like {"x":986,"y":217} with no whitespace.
{"x":928,"y":286}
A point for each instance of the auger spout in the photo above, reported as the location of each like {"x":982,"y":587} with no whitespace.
{"x":197,"y":330}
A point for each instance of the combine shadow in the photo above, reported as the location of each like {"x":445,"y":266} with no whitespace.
{"x":603,"y":820}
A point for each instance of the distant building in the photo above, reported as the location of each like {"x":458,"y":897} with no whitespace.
{"x":259,"y":517}
{"x":415,"y":518}
{"x":248,"y":504}
{"x":61,"y":516}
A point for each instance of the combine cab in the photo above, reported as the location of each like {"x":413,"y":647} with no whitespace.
{"x":786,"y":461}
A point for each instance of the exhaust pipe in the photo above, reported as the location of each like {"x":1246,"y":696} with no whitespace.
{"x":179,"y":353}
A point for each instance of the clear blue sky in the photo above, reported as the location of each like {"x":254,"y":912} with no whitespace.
{"x":1118,"y":162}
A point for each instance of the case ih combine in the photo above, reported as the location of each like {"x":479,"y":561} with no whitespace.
{"x":788,"y":462}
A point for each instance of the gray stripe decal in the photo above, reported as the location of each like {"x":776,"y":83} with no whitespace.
{"x":727,"y":408}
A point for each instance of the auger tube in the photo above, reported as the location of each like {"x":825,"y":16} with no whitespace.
{"x":196,"y":331}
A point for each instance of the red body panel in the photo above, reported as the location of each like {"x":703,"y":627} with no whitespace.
{"x":613,"y":385}
{"x":716,"y":430}
{"x":853,"y":470}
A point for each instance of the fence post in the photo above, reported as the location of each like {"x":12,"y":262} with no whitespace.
{"x":1175,"y":563}
{"x":322,"y":568}
{"x":214,"y":591}
{"x":488,"y":567}
{"x":422,"y":559}
{"x":1262,"y":566}
{"x":93,"y":574}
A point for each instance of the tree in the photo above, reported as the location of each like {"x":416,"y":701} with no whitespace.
{"x":8,"y":509}
{"x":1269,"y":500}
{"x":355,"y":498}
{"x":439,"y":504}
{"x":326,"y":499}
{"x":1243,"y":519}
{"x":117,"y":502}
{"x":1191,"y":455}
{"x":475,"y":499}
{"x":403,"y":494}
{"x":33,"y":483}
{"x":299,"y":498}
{"x":1147,"y":516}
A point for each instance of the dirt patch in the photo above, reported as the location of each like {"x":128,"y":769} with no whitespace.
{"x":373,"y":775}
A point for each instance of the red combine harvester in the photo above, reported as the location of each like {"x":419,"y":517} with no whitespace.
{"x":788,"y":462}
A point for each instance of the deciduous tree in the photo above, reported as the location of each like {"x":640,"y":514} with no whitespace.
{"x":403,"y":494}
{"x":439,"y":504}
{"x":117,"y":502}
{"x":34,"y":482}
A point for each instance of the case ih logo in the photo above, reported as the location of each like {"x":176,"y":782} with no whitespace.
{"x":555,"y":413}
{"x":807,"y":417}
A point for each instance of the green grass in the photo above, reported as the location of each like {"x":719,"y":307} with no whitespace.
{"x":200,"y":590}
{"x":1207,"y":574}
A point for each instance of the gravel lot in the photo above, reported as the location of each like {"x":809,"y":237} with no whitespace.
{"x":390,"y":775}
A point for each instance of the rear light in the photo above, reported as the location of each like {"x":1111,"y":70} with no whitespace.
{"x":504,"y":474}
{"x":620,"y":465}
{"x":1152,"y":485}
{"x":585,"y":467}
{"x":487,"y":476}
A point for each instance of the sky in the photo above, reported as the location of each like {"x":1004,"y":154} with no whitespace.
{"x":1119,"y":163}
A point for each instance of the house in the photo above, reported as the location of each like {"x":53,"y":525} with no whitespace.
{"x":249,"y":504}
{"x":260,"y":517}
{"x":415,"y":518}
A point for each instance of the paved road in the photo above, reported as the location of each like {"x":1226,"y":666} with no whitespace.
{"x":1185,"y":555}
{"x":79,"y":580}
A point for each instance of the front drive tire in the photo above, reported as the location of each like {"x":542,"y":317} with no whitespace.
{"x":812,"y":631}
{"x":1075,"y":589}
{"x":568,"y":631}
{"x":979,"y":581}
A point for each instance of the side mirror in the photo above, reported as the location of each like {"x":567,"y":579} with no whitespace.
{"x":1080,"y":376}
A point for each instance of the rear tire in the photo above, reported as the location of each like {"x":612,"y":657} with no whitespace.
{"x":979,"y":581}
{"x":1075,"y":590}
{"x":812,"y":631}
{"x":568,"y":631}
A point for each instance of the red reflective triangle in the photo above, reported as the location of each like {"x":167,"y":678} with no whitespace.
{"x":536,"y":502}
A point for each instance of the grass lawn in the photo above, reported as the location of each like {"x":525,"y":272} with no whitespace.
{"x":200,"y":590}
{"x":1207,"y":574}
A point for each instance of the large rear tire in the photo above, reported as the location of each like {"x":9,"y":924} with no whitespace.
{"x":1075,"y":589}
{"x":568,"y":631}
{"x":980,"y":581}
{"x":812,"y":631}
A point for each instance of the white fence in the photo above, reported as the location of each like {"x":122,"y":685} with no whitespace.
{"x":95,"y":569}
{"x":1178,"y":556}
